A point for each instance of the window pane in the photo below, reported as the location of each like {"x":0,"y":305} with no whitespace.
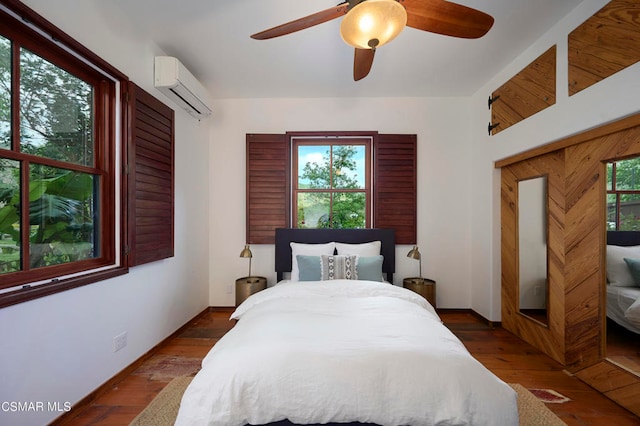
{"x":56,"y":118}
{"x":609,"y":176}
{"x":628,"y":175}
{"x":61,"y":213}
{"x":349,"y":166}
{"x":313,"y":209}
{"x":9,"y":216}
{"x":349,"y":210}
{"x":5,"y":93}
{"x":612,"y":212}
{"x":313,"y":167}
{"x":630,"y":212}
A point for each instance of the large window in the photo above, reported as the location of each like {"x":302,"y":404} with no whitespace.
{"x":57,"y":165}
{"x":331,"y":179}
{"x":623,"y":195}
{"x":331,"y":183}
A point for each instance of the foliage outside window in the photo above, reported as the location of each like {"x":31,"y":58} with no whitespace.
{"x":332,"y":183}
{"x":623,"y":195}
{"x":56,"y":161}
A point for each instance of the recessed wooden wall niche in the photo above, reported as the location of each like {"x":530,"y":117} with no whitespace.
{"x":604,"y":44}
{"x":528,"y":92}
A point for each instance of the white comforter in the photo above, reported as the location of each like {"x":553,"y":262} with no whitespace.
{"x":343,"y":351}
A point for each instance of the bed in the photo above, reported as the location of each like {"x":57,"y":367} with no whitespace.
{"x":623,"y":288}
{"x":341,"y":350}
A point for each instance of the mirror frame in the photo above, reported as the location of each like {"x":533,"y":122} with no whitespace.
{"x":549,"y":336}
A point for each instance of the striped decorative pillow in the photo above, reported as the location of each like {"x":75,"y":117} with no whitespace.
{"x":338,"y":267}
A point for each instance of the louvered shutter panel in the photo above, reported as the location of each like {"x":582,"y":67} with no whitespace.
{"x":150,"y":178}
{"x":395,"y":185}
{"x":268,"y":190}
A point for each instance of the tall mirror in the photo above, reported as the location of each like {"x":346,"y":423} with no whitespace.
{"x":623,"y":263}
{"x":532,"y":248}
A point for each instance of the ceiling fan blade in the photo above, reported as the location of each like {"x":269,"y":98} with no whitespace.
{"x":302,"y":23}
{"x":362,"y":61}
{"x":444,"y":17}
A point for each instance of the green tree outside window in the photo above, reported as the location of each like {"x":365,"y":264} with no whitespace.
{"x":55,"y":123}
{"x":332,"y":188}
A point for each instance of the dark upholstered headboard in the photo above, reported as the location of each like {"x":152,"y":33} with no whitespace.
{"x":284,"y":236}
{"x":623,"y":238}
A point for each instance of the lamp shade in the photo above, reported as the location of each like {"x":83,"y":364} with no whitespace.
{"x":414,"y":253}
{"x":373,"y":23}
{"x":246,"y":252}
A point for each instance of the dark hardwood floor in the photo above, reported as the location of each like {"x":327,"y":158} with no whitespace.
{"x":623,"y":346}
{"x":507,"y":356}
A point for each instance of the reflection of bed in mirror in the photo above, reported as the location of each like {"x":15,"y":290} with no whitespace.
{"x":623,"y":291}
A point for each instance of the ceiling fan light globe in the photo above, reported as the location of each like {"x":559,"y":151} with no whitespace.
{"x":373,"y":19}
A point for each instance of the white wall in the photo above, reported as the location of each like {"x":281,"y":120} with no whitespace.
{"x":59,"y":348}
{"x":615,"y":97}
{"x":444,"y":163}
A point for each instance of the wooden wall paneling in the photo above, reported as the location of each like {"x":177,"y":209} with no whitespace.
{"x":555,"y":168}
{"x":579,"y":231}
{"x":508,"y":249}
{"x":528,"y":92}
{"x":604,"y":44}
{"x":549,"y":338}
{"x":584,"y":239}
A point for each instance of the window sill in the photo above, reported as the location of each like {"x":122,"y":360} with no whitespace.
{"x":27,"y":293}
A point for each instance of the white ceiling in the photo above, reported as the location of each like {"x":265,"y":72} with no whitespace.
{"x":211,"y":37}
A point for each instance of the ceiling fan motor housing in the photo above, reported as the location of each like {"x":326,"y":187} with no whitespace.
{"x":373,"y":23}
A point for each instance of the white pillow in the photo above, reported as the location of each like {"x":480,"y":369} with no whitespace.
{"x":364,"y":249}
{"x":618,"y":274}
{"x":307,"y":249}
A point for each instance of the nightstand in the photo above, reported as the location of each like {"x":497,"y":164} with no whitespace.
{"x":246,"y":286}
{"x":423,"y":286}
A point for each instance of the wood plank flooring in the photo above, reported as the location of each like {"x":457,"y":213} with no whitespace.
{"x":507,"y":356}
{"x":623,"y":347}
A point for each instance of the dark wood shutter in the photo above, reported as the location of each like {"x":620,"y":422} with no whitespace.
{"x":395,"y":185}
{"x":268,"y":186}
{"x":150,"y":178}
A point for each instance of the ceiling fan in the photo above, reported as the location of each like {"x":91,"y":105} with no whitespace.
{"x":369,"y":24}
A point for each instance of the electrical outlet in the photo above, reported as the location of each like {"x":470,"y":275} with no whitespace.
{"x":120,"y":341}
{"x":229,"y":288}
{"x":537,"y":290}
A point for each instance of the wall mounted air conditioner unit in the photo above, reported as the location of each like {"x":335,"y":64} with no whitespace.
{"x":175,"y":81}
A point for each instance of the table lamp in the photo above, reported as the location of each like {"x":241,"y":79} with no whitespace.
{"x":246,"y":252}
{"x":414,"y":253}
